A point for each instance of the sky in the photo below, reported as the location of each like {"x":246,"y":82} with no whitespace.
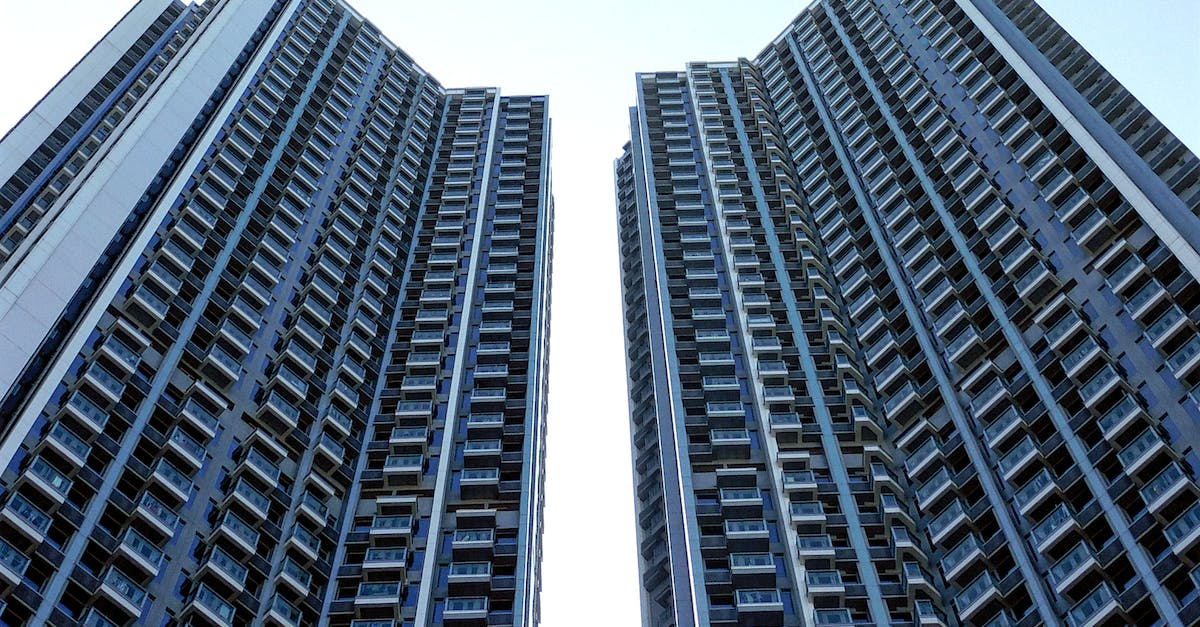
{"x":584,"y":55}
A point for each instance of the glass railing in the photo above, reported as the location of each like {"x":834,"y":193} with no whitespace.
{"x":975,"y":591}
{"x":1144,"y":295}
{"x":1181,"y":357}
{"x":823,"y":578}
{"x":276,"y":401}
{"x":240,"y":528}
{"x":214,"y":603}
{"x":391,"y":523}
{"x":466,"y":604}
{"x":1187,"y":522}
{"x":1161,"y":483}
{"x":12,"y":558}
{"x":959,"y":553}
{"x":256,"y":499}
{"x":106,"y":380}
{"x":471,"y":536}
{"x":796,"y":477}
{"x":750,"y":560}
{"x":1016,"y":455}
{"x":256,"y":458}
{"x":1001,"y":424}
{"x":482,"y":446}
{"x":314,"y":503}
{"x":1090,"y":605}
{"x":1033,"y":487}
{"x":173,"y":476}
{"x":802,"y":509}
{"x":228,"y":564}
{"x":729,"y":435}
{"x":1117,"y":413}
{"x":940,"y":522}
{"x":379,"y":589}
{"x":1135,"y":448}
{"x":29,"y":513}
{"x":820,"y":542}
{"x":1077,"y":355}
{"x":124,"y":586}
{"x":757,"y":597}
{"x":142,"y":547}
{"x":127,"y":355}
{"x":398,"y":555}
{"x":1051,"y":523}
{"x":50,"y":475}
{"x":282,"y":607}
{"x":1098,"y":382}
{"x":158,"y":510}
{"x":746,"y":526}
{"x":1069,"y":562}
{"x":934,"y":484}
{"x":296,"y":571}
{"x":1164,"y":322}
{"x":480,"y":474}
{"x":189,"y":444}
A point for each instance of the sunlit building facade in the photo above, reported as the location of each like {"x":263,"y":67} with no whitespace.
{"x":912,"y":315}
{"x":274,"y":321}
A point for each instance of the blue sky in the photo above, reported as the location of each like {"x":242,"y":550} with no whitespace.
{"x":584,"y":55}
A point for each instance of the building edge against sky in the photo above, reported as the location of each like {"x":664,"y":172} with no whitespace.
{"x":274,"y":306}
{"x":912,"y":330}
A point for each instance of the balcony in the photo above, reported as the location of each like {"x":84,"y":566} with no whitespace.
{"x":386,"y":559}
{"x":1070,"y":567}
{"x":1094,"y":608}
{"x":124,"y":591}
{"x":1018,"y":458}
{"x":227,"y":568}
{"x":947,"y":520}
{"x":391,"y":526}
{"x":1183,"y":532}
{"x":1139,"y":451}
{"x":141,"y":551}
{"x":12,"y":563}
{"x":961,"y":556}
{"x":47,"y":479}
{"x":758,"y":601}
{"x":241,"y":533}
{"x":201,"y":417}
{"x":282,"y":612}
{"x":814,"y":547}
{"x":972,"y":598}
{"x":378,"y":593}
{"x":157,"y":513}
{"x":934,"y":487}
{"x":251,"y":500}
{"x":465,"y":608}
{"x":1122,"y":414}
{"x":104,"y":382}
{"x":1053,"y":528}
{"x":295,"y":576}
{"x":211,"y":607}
{"x":1162,"y":488}
{"x":1184,"y":360}
{"x":87,"y":411}
{"x":469,"y":572}
{"x":807,"y":511}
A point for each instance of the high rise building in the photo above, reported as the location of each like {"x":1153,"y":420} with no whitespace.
{"x":274,"y":327}
{"x":912,"y":314}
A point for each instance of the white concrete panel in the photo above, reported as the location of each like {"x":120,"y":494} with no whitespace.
{"x":48,"y":113}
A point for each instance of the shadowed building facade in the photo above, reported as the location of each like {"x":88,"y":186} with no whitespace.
{"x":274,"y":315}
{"x":911,"y":314}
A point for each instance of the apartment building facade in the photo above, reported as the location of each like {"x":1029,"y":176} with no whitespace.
{"x":911,"y":314}
{"x":274,"y":321}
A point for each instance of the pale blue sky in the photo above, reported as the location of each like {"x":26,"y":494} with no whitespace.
{"x":584,"y":55}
